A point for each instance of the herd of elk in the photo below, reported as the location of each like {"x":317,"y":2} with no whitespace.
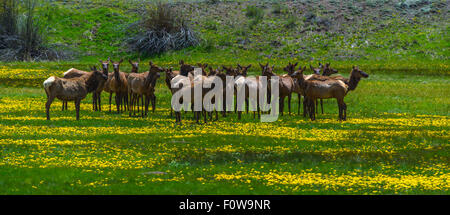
{"x":72,"y":89}
{"x":134,"y":91}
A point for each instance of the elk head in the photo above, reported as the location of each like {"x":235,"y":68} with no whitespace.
{"x":203,"y":66}
{"x":298,"y":75}
{"x":153,"y":74}
{"x":290,"y":68}
{"x":267,"y":70}
{"x":185,"y":69}
{"x":355,"y":77}
{"x":105,"y":65}
{"x":230,"y":71}
{"x":135,"y":65}
{"x":243,"y":69}
{"x":95,"y":78}
{"x":116,"y":65}
{"x":327,"y":70}
{"x":316,"y":70}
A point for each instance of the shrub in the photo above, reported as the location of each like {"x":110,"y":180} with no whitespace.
{"x":257,"y":14}
{"x":291,"y":21}
{"x":161,"y":29}
{"x":276,"y":8}
{"x":21,"y":36}
{"x":254,"y":12}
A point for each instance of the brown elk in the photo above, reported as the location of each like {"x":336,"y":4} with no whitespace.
{"x":327,"y":71}
{"x":143,"y":84}
{"x":73,"y":73}
{"x":329,"y":88}
{"x":118,"y":84}
{"x":286,"y":84}
{"x":316,"y":71}
{"x":73,"y":89}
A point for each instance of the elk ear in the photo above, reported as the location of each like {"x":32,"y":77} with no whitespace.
{"x":262,"y":66}
{"x":304,"y":68}
{"x":150,"y":63}
{"x":267,"y":64}
{"x":121,"y":60}
{"x":239,"y":65}
{"x":295,"y":64}
{"x":320,"y":65}
{"x":129,"y":61}
{"x":353,"y":67}
{"x":181,"y":62}
{"x":205,"y":65}
{"x":249,"y":66}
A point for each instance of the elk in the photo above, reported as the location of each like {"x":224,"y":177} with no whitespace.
{"x":73,"y":73}
{"x":242,"y":82}
{"x":73,"y":89}
{"x":96,"y":96}
{"x":143,"y":84}
{"x":329,"y":88}
{"x":286,"y":84}
{"x":327,"y":71}
{"x":316,"y":71}
{"x":118,"y":84}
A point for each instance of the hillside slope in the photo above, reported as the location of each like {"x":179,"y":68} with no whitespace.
{"x":391,"y":35}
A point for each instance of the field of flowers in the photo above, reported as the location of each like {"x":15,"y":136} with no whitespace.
{"x":396,"y":141}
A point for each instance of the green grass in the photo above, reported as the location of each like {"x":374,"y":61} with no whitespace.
{"x":397,"y":132}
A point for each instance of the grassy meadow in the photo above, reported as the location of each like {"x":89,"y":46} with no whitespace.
{"x":395,"y":139}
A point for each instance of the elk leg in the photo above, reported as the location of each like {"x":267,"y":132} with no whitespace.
{"x":142,"y":105}
{"x":281,"y":105}
{"x":153,"y":103}
{"x":99,"y":102}
{"x":130,"y":105}
{"x":235,"y":104}
{"x":312,"y":110}
{"x":246,"y":105}
{"x":305,"y":106}
{"x":147,"y":103}
{"x":340,"y":108}
{"x":94,"y":100}
{"x":47,"y":105}
{"x":299,"y":103}
{"x":117,"y":98}
{"x":127,"y":107}
{"x":289,"y":103}
{"x":62,"y":106}
{"x":110,"y":97}
{"x":321,"y":104}
{"x":77,"y":107}
{"x":257,"y":106}
{"x":345,"y":110}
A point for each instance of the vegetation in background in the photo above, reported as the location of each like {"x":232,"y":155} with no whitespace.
{"x":22,"y":37}
{"x":161,"y":29}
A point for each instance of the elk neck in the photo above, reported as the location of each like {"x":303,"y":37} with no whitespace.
{"x":353,"y":82}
